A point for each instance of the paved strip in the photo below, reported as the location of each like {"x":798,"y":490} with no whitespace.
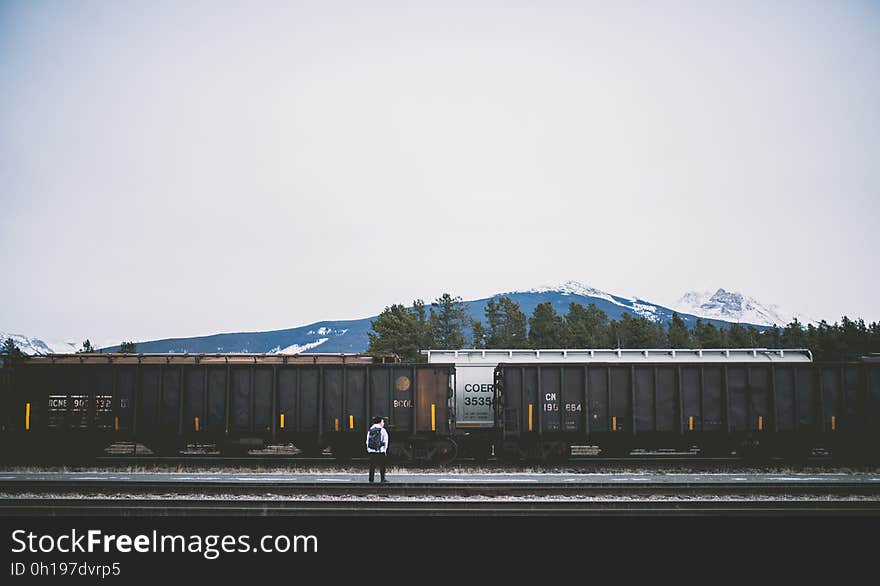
{"x":237,"y":508}
{"x":88,"y":489}
{"x":440,"y":478}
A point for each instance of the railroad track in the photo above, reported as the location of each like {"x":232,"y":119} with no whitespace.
{"x":297,"y":461}
{"x":183,"y":494}
{"x":123,"y":454}
{"x":270,"y":508}
{"x":173,"y":488}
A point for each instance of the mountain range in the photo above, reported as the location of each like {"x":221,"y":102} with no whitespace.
{"x":350,"y":336}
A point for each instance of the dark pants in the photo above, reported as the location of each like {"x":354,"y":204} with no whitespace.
{"x":377,"y":459}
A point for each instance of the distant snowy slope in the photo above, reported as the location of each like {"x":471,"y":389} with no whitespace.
{"x":733,"y":306}
{"x":633,"y":305}
{"x":32,"y":346}
{"x":349,"y":337}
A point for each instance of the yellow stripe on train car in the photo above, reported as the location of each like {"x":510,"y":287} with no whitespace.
{"x":282,"y":421}
{"x":27,"y":416}
{"x":351,"y":422}
{"x":433,"y":417}
{"x":530,"y":417}
{"x":196,"y":423}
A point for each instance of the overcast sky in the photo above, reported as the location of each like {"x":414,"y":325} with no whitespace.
{"x":181,"y":168}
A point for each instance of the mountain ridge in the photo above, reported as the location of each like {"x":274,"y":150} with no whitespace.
{"x":351,"y":336}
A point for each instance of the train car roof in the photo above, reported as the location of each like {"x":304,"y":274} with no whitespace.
{"x":659,"y":355}
{"x":125,"y":358}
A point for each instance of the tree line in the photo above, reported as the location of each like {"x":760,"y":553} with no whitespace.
{"x":446,"y":325}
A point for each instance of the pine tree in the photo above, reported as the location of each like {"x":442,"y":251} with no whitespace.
{"x":425,"y":333}
{"x":86,"y":347}
{"x":874,"y":344}
{"x":738,"y":337}
{"x":128,"y":348}
{"x":449,"y":322}
{"x":706,"y":335}
{"x":793,"y":336}
{"x":586,"y":327}
{"x":754,"y":338}
{"x":661,"y":339}
{"x":827,"y":344}
{"x":679,"y":335}
{"x":633,"y":332}
{"x":507,"y":324}
{"x":401,"y":331}
{"x":770,"y":338}
{"x":10,"y":349}
{"x":478,"y":334}
{"x":545,"y":327}
{"x":854,"y":338}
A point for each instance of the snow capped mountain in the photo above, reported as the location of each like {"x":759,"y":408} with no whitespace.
{"x":572,"y":288}
{"x":733,"y":306}
{"x":719,"y":306}
{"x":31,"y":346}
{"x":633,"y":305}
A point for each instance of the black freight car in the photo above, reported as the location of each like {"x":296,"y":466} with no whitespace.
{"x":76,"y":405}
{"x":779,"y":409}
{"x":5,"y":395}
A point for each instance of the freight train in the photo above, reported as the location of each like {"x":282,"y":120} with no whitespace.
{"x":757,"y":410}
{"x":513,"y":404}
{"x":66,"y":407}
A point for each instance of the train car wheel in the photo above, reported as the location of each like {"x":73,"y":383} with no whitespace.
{"x":342,"y":453}
{"x":510,"y":453}
{"x":715,"y":448}
{"x":482,"y":452}
{"x":164,"y":448}
{"x":234,"y":451}
{"x":616,"y":450}
{"x":309,"y":449}
{"x":852,"y":452}
{"x":553,"y":452}
{"x":444,"y":451}
{"x":753,"y":450}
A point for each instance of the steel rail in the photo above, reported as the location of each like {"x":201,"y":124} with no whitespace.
{"x":282,"y":488}
{"x":585,"y":461}
{"x":258,"y":508}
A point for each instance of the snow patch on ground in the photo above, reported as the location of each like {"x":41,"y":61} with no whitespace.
{"x":323,"y":331}
{"x":300,"y":348}
{"x":645,"y":310}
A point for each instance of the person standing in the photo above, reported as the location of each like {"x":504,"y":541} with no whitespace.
{"x":377,"y":448}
